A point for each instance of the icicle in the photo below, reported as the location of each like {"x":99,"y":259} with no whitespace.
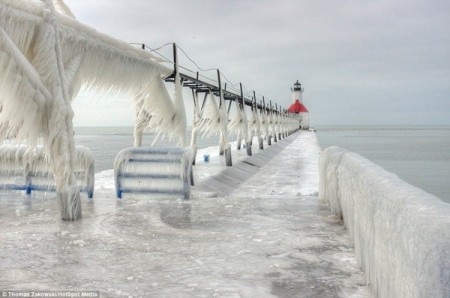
{"x":210,"y":123}
{"x":235,"y":126}
{"x":156,"y":111}
{"x":179,"y":122}
{"x":264,"y":124}
{"x":224,"y":145}
{"x":195,"y":126}
{"x":255,"y":126}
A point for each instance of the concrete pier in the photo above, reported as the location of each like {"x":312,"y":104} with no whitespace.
{"x":268,"y":237}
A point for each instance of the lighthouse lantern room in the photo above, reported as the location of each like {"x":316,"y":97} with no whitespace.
{"x":297,"y":107}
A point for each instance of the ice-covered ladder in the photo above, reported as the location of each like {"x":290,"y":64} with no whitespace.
{"x":153,"y":171}
{"x":26,"y":168}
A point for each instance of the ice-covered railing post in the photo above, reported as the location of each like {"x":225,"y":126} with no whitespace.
{"x":247,"y":133}
{"x":262,"y":120}
{"x":224,"y":145}
{"x":283,"y":123}
{"x":236,"y":125}
{"x":179,"y":101}
{"x":273,"y":123}
{"x":256,"y":123}
{"x":277,"y":122}
{"x":195,"y":123}
{"x":264,"y":114}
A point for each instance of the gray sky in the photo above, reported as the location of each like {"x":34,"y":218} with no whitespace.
{"x":360,"y":62}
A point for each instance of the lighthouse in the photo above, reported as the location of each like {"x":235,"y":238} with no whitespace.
{"x":297,"y":106}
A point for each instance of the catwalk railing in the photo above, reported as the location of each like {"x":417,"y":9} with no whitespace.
{"x":281,"y":122}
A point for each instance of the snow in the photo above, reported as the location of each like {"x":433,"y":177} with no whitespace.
{"x":401,"y":234}
{"x":263,"y":239}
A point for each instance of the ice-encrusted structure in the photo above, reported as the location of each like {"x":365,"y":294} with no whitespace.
{"x":238,"y":125}
{"x":271,"y":125}
{"x":195,"y":126}
{"x":157,"y":112}
{"x":264,"y":124}
{"x":210,"y":121}
{"x":401,"y":234}
{"x":27,"y":168}
{"x":254,"y":125}
{"x":153,"y":171}
{"x":45,"y":57}
{"x":224,"y":144}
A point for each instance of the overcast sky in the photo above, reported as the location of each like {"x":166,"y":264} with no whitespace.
{"x":360,"y":62}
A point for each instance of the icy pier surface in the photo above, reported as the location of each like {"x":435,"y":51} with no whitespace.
{"x":270,"y":237}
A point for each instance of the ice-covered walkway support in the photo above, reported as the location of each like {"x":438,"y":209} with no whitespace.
{"x":28,"y":169}
{"x":153,"y":171}
{"x":237,"y":126}
{"x":224,"y":145}
{"x":265,"y":122}
{"x":254,"y":122}
{"x":401,"y":234}
{"x":214,"y":120}
{"x":157,"y":112}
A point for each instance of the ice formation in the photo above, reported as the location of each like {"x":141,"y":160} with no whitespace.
{"x":264,"y":123}
{"x":45,"y":56}
{"x":238,"y":124}
{"x":401,"y":234}
{"x":254,"y":125}
{"x":153,"y":171}
{"x":224,"y":145}
{"x":210,"y":122}
{"x":23,"y":167}
{"x":157,"y":112}
{"x":195,"y":126}
{"x":271,"y":125}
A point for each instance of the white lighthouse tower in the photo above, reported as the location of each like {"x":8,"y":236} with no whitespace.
{"x":297,"y":106}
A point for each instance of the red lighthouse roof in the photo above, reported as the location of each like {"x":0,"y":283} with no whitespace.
{"x":297,"y":107}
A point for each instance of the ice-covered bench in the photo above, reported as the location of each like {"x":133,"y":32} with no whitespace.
{"x":153,"y":171}
{"x":26,"y":168}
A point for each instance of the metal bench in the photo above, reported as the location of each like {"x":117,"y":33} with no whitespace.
{"x":153,"y":171}
{"x":26,"y":168}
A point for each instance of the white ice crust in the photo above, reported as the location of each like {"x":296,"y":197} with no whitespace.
{"x":401,"y":234}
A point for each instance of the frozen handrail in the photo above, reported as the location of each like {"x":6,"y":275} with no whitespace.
{"x":153,"y":171}
{"x":28,"y":169}
{"x":401,"y":234}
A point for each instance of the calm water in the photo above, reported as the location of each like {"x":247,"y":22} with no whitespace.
{"x":418,"y":155}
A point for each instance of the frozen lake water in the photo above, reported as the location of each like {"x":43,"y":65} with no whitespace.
{"x":269,"y":237}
